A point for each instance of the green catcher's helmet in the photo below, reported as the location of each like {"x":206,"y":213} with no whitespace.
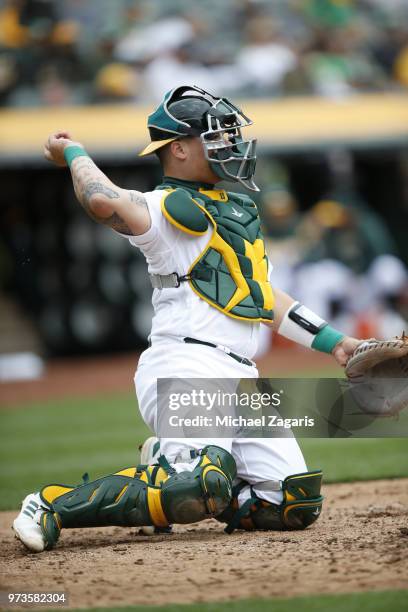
{"x":191,"y":111}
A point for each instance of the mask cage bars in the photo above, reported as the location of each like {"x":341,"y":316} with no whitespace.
{"x":229,"y":119}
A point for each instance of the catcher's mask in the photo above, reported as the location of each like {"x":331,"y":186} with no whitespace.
{"x":191,"y":111}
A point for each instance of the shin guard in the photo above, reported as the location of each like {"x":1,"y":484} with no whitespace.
{"x":148,"y":495}
{"x":300,"y":508}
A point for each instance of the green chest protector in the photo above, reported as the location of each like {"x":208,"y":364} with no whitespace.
{"x":231,"y":274}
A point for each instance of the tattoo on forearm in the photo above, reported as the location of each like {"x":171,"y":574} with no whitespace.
{"x":138,"y":198}
{"x":96,"y":187}
{"x":82,"y":162}
{"x":117,"y":223}
{"x":89,"y":180}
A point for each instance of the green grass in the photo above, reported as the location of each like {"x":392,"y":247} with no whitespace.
{"x":382,"y":601}
{"x":60,"y":440}
{"x":357,"y":459}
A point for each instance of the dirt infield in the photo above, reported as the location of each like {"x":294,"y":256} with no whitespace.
{"x":360,"y":543}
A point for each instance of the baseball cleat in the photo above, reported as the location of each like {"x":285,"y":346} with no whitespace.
{"x":148,"y":530}
{"x":151,"y":530}
{"x":149,"y":451}
{"x":27,"y":525}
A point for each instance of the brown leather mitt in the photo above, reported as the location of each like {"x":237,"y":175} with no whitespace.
{"x":378,"y":371}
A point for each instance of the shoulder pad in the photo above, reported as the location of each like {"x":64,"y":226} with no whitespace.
{"x":180,"y":209}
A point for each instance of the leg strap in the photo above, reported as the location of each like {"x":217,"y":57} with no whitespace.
{"x":300,"y":508}
{"x":147,"y":495}
{"x":51,"y":529}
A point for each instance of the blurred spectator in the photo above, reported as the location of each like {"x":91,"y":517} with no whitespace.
{"x":13,"y":34}
{"x":180,"y":67}
{"x":266,"y":57}
{"x":348,"y":233}
{"x":335,"y":67}
{"x":325,"y":286}
{"x":116,"y":82}
{"x":380,"y":299}
{"x":153,"y":40}
{"x":44,"y":53}
{"x":8,"y":77}
{"x":331,"y":13}
{"x":280,"y":214}
{"x":280,"y":219}
{"x":400,"y":66}
{"x":53,"y":50}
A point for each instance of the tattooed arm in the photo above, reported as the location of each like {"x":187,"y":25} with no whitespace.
{"x":122,"y":210}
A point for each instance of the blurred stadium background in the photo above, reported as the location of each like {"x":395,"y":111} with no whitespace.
{"x":326,"y":82}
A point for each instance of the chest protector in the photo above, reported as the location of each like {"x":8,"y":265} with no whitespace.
{"x":231,"y":274}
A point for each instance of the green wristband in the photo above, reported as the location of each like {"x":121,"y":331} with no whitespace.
{"x":326,"y":339}
{"x":73,"y":151}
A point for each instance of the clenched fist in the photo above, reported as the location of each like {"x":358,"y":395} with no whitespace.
{"x":55,"y":145}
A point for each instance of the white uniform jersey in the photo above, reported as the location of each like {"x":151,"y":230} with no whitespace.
{"x":179,"y":312}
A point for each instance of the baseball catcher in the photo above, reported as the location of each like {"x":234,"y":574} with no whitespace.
{"x":212,"y":291}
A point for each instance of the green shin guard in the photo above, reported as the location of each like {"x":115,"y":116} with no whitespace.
{"x":300,"y":508}
{"x":148,"y":495}
{"x":302,"y":499}
{"x":112,"y":500}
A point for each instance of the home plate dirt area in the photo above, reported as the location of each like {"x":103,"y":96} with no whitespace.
{"x":359,"y":543}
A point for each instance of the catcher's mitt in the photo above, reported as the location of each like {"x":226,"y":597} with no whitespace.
{"x":378,"y":371}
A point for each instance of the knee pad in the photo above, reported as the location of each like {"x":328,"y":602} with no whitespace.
{"x":148,"y":495}
{"x":300,"y":508}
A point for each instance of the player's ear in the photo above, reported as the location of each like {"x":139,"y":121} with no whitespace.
{"x":179,"y":148}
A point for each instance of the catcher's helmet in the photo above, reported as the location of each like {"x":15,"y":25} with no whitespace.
{"x":191,"y":111}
